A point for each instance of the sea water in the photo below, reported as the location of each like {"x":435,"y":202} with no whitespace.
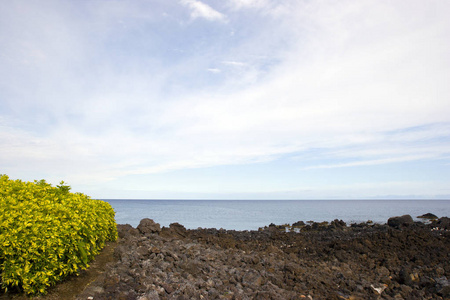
{"x":253,"y":214}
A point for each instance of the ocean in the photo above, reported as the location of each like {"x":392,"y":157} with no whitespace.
{"x":252,"y":214}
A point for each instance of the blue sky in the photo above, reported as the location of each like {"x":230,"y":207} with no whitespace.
{"x":232,"y":99}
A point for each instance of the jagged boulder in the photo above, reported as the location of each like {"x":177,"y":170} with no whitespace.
{"x":299,"y":224}
{"x":175,"y":230}
{"x":428,"y":216}
{"x":126,"y":230}
{"x":148,"y":226}
{"x":442,"y":223}
{"x":338,"y":224}
{"x":402,"y":221}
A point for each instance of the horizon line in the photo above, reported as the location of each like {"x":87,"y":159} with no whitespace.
{"x":363,"y":199}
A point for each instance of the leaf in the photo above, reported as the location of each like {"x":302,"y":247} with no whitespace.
{"x":81,"y":246}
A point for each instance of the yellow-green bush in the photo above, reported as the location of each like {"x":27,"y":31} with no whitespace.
{"x":47,"y":233}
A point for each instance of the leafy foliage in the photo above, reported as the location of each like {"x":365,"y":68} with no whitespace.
{"x":47,"y":233}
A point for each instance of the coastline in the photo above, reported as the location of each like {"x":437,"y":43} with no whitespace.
{"x":401,"y":259}
{"x":253,"y":214}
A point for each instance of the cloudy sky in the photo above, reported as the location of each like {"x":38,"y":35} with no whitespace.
{"x":228,"y":99}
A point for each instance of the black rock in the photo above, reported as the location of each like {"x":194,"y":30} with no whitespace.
{"x":299,"y":224}
{"x":224,"y":264}
{"x":175,"y":230}
{"x":338,"y":224}
{"x":404,"y":277}
{"x":399,"y":222}
{"x":443,"y":223}
{"x":147,"y":226}
{"x":428,"y":216}
{"x":127,"y":230}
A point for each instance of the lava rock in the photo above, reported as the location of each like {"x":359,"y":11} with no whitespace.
{"x":338,"y":224}
{"x":400,"y":222}
{"x":299,"y":224}
{"x":127,"y":230}
{"x":442,"y":223}
{"x":428,"y":216}
{"x":148,"y":226}
{"x":358,"y":262}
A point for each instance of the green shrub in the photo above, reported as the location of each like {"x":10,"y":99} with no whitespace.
{"x":48,"y":233}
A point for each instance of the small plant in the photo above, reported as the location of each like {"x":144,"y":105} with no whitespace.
{"x":48,"y":233}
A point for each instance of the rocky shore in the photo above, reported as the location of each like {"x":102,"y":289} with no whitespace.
{"x":399,"y":260}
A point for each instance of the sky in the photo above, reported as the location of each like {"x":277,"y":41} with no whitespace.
{"x":228,"y":99}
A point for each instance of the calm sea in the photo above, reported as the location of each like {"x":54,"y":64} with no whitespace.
{"x":252,"y":214}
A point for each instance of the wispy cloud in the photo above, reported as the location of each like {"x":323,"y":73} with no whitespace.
{"x":250,"y":3}
{"x":265,"y":7}
{"x":372,"y":162}
{"x":95,"y":93}
{"x":234,"y":63}
{"x":214,"y":70}
{"x":202,"y":10}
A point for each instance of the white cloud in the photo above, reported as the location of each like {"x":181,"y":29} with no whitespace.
{"x":249,"y":3}
{"x":372,"y":162}
{"x":234,"y":63}
{"x":214,"y":70}
{"x":402,"y":189}
{"x":350,"y":77}
{"x":202,"y":10}
{"x":265,"y":7}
